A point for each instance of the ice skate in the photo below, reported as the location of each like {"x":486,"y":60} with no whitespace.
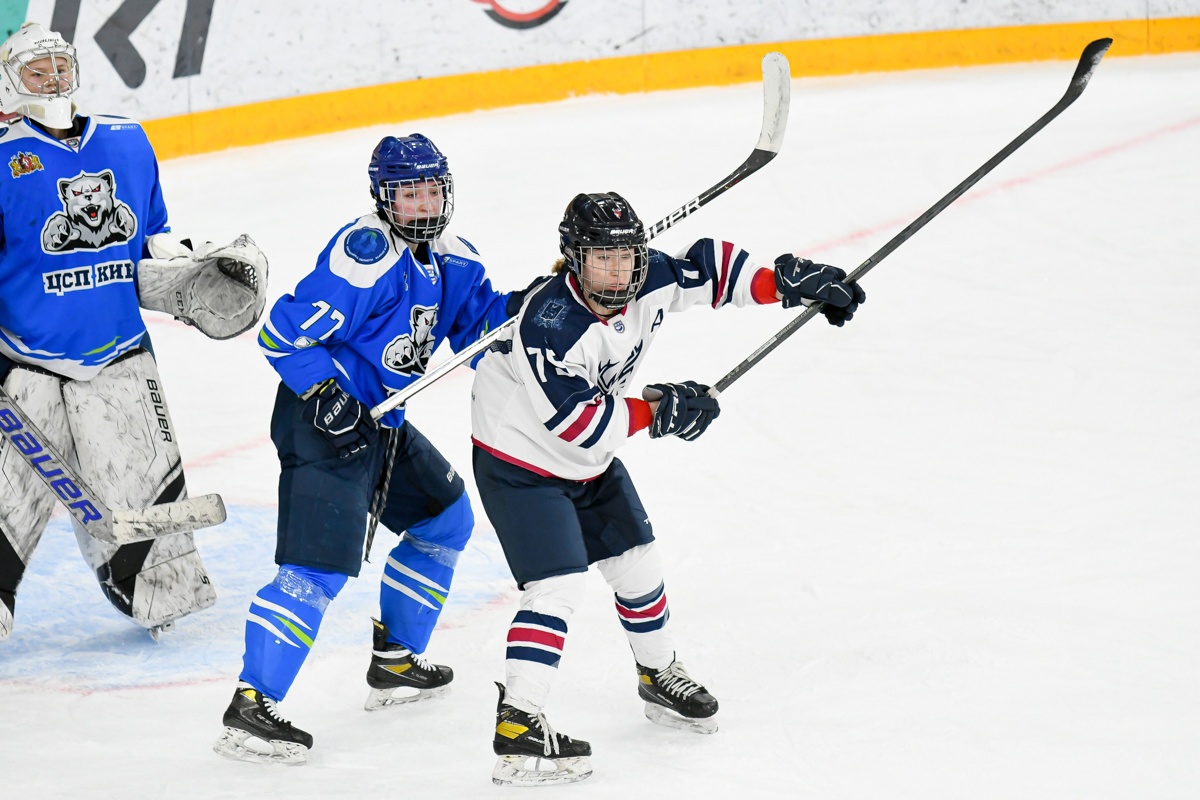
{"x":531,"y":753}
{"x":398,"y":676}
{"x":254,"y":731}
{"x":675,"y":700}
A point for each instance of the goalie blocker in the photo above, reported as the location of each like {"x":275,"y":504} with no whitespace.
{"x":220,"y":290}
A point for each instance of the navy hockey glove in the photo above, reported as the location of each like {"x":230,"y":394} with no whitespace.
{"x":684,"y":409}
{"x":798,"y":279}
{"x":343,"y":420}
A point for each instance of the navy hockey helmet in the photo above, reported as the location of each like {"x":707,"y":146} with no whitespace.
{"x":604,"y":243}
{"x":412,"y":186}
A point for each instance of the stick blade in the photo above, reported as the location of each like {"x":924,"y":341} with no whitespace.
{"x":139,"y":524}
{"x":777,"y":93}
{"x":1088,"y":63}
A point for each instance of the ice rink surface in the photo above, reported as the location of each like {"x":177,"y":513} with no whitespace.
{"x":949,"y":551}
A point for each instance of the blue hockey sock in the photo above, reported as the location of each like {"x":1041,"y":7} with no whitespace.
{"x":283,"y":621}
{"x":416,"y":578}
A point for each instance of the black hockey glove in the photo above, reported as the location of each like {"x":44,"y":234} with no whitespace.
{"x":798,"y":279}
{"x":684,"y":409}
{"x":343,"y":420}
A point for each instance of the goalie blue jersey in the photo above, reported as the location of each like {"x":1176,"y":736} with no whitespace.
{"x":371,"y":315}
{"x":73,"y":222}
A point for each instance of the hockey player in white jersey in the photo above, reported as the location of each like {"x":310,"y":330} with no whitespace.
{"x":550,"y":409}
{"x":84,"y":241}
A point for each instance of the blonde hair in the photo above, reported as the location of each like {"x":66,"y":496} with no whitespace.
{"x":558,"y":266}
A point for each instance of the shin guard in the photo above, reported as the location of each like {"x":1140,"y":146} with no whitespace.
{"x":282,"y":624}
{"x":636,"y":578}
{"x":416,"y":578}
{"x":537,"y":636}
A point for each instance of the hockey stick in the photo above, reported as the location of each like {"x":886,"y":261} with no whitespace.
{"x":777,"y":85}
{"x":1083,"y":73}
{"x":112,"y":527}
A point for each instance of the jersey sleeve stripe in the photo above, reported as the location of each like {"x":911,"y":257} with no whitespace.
{"x":580,"y":424}
{"x":735,"y":273}
{"x":609,"y":405}
{"x":723,"y":273}
{"x":571,"y":406}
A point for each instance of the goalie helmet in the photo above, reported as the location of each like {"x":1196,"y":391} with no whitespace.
{"x":38,"y":75}
{"x":604,"y":243}
{"x":412,"y":186}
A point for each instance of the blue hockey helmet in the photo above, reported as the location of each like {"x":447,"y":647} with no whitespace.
{"x":604,"y":232}
{"x":412,"y":186}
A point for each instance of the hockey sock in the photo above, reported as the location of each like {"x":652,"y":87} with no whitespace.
{"x":283,"y":621}
{"x":416,"y":578}
{"x":644,"y":620}
{"x":536,"y":638}
{"x":636,"y":578}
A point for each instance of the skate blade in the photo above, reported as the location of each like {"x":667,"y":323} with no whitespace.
{"x":535,"y":771}
{"x":385,"y":698}
{"x":244,"y":746}
{"x":156,"y":632}
{"x":670,"y":719}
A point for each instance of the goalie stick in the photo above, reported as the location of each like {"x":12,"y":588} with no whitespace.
{"x":777,"y":84}
{"x":121,"y":526}
{"x":1079,"y":81}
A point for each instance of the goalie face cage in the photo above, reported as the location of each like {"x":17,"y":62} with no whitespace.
{"x":418,"y":210}
{"x":611,"y":276}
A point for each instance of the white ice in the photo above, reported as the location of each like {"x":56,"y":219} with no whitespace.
{"x":949,"y":551}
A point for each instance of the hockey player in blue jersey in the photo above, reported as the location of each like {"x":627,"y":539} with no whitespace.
{"x":387,"y":289}
{"x":549,"y":409}
{"x":84,"y":241}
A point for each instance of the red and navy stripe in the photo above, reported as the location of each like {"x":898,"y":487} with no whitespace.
{"x":536,"y":637}
{"x":646,"y":613}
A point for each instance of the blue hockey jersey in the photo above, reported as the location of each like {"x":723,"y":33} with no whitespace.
{"x":73,"y":222}
{"x":371,"y":315}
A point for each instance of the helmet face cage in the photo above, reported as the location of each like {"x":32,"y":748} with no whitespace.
{"x":610,"y":275}
{"x":418,"y":209}
{"x":57,"y":74}
{"x":604,"y":244}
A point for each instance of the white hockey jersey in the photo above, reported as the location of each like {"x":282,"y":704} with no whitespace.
{"x":550,"y":395}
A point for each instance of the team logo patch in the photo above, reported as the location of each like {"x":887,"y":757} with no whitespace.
{"x":92,"y":217}
{"x":552,"y":314}
{"x":522,"y":14}
{"x":619,"y":326}
{"x":409,"y":354}
{"x":303,"y":342}
{"x":366,"y":245}
{"x":24,"y":163}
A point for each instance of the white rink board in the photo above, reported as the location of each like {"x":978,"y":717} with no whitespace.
{"x":259,"y":51}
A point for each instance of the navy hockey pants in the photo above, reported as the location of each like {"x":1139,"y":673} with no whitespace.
{"x":554,"y":526}
{"x":324,"y":500}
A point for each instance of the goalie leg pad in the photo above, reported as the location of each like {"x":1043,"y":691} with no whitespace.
{"x":25,"y":501}
{"x":222,"y":291}
{"x":128,"y":453}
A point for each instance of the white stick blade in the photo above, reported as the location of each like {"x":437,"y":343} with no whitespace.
{"x":777,"y":94}
{"x":139,"y":524}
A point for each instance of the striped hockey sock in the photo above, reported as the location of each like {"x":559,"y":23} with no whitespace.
{"x":645,"y":622}
{"x":535,"y":646}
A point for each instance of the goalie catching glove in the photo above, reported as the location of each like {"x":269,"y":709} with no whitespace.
{"x":220,"y":290}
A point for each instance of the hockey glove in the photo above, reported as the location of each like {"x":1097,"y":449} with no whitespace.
{"x":684,"y":409}
{"x":800,"y":281}
{"x":345,"y":422}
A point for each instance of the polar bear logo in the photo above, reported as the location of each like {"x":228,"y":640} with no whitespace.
{"x":409,"y":353}
{"x":92,"y":217}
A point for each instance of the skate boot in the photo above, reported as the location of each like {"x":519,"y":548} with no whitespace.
{"x":397,"y":676}
{"x":675,"y":700}
{"x":534,"y":754}
{"x":254,"y":731}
